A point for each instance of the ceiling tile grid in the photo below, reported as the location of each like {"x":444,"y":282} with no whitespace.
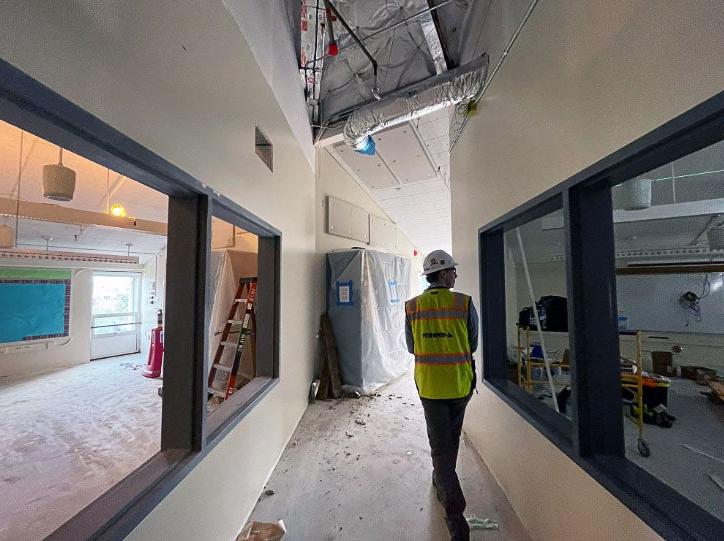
{"x":409,"y":177}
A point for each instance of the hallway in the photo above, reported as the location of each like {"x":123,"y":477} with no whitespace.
{"x":339,"y":479}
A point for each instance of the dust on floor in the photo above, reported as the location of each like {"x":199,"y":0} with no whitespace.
{"x":700,"y":425}
{"x":69,"y":436}
{"x":360,"y":469}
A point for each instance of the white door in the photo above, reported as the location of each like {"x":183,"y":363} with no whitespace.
{"x":116,"y":321}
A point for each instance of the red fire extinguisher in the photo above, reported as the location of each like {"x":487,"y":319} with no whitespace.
{"x":155,"y":353}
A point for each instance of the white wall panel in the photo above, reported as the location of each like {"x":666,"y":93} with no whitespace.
{"x":347,"y":220}
{"x":383,"y":233}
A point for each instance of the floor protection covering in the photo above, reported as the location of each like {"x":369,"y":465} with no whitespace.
{"x":69,"y":436}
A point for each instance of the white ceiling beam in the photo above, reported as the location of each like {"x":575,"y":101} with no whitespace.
{"x":673,"y":210}
{"x":689,"y":209}
{"x":55,"y":213}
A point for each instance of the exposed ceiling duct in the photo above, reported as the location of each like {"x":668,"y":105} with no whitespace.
{"x":448,"y":88}
{"x":354,"y":52}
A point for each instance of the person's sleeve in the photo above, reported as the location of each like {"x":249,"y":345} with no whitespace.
{"x":408,"y":335}
{"x":472,"y":327}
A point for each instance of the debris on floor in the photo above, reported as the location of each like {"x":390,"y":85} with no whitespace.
{"x":318,"y":483}
{"x":717,"y":480}
{"x":268,"y":492}
{"x":360,"y":421}
{"x":702,"y":453}
{"x":262,"y":531}
{"x":476,"y":523}
{"x":716,"y":394}
{"x":313,"y":389}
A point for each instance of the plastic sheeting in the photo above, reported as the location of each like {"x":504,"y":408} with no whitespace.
{"x":366,"y":293}
{"x":226,"y":267}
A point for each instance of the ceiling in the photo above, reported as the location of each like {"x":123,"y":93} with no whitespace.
{"x":93,"y":183}
{"x":90,"y":239}
{"x":92,"y":180}
{"x":698,"y":177}
{"x":409,"y":41}
{"x":409,"y":178}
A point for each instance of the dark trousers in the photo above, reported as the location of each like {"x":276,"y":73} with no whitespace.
{"x":444,"y":420}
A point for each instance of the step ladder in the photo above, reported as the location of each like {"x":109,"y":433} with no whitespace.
{"x":240,"y":323}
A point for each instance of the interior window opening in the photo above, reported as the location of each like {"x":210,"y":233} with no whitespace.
{"x":669,"y":237}
{"x":234,"y":296}
{"x":537,"y":313}
{"x":82,"y":291}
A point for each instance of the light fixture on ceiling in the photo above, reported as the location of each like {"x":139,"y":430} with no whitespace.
{"x":58,"y":180}
{"x":118,"y":210}
{"x":636,"y":194}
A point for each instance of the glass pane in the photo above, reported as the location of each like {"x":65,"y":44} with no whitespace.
{"x":113,"y":294}
{"x":232,"y":329}
{"x":669,"y":227}
{"x":114,"y":324}
{"x":535,"y":288}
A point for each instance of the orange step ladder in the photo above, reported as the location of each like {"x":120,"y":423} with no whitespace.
{"x":243,"y":326}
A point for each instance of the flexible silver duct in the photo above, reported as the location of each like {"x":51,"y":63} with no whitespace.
{"x":449,"y":88}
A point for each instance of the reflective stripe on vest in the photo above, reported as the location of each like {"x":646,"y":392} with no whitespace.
{"x":442,"y":353}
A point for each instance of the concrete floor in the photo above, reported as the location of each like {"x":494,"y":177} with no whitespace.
{"x":699,"y":424}
{"x":340,"y":480}
{"x":69,"y":436}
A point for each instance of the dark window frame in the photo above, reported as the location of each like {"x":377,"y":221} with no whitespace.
{"x":185,"y":436}
{"x":596,"y":443}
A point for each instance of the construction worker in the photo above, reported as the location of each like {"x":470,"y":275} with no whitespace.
{"x":442,"y":332}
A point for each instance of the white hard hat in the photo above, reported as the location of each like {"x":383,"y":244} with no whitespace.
{"x":437,"y":260}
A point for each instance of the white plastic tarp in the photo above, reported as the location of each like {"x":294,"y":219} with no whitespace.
{"x":366,"y":304}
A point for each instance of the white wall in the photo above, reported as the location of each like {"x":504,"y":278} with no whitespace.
{"x":266,"y":28}
{"x":332,"y":179}
{"x":52,"y":354}
{"x":583,"y":80}
{"x":178,"y":77}
{"x":546,"y":278}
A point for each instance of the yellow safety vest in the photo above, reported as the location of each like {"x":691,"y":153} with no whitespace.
{"x":443,"y":361}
